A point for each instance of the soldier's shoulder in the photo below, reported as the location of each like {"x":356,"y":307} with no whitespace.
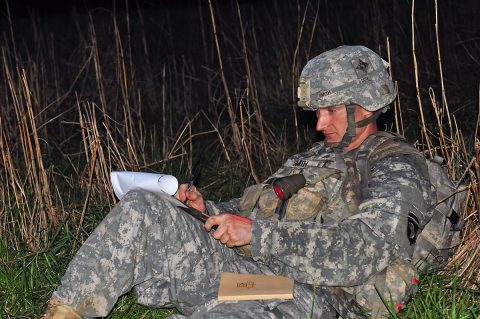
{"x":386,"y":144}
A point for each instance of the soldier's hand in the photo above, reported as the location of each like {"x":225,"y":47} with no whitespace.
{"x":192,"y":198}
{"x":232,"y":230}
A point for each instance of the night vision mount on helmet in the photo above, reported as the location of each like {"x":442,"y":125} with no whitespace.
{"x":350,"y":75}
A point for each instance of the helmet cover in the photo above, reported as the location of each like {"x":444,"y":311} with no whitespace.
{"x":346,"y":75}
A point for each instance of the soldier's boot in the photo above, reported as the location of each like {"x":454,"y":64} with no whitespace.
{"x":57,"y":310}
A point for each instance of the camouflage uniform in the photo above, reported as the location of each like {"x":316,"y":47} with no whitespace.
{"x":341,"y":237}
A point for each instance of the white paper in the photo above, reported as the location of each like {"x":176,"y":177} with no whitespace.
{"x":123,"y":182}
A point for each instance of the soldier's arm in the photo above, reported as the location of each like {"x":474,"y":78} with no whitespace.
{"x":348,"y":253}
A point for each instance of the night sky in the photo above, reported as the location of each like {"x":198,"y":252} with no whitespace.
{"x":45,"y":8}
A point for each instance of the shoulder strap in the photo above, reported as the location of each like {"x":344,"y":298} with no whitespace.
{"x":379,"y":146}
{"x":365,"y":152}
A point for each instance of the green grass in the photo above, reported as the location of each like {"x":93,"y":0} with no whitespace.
{"x":127,"y":307}
{"x":443,"y":296}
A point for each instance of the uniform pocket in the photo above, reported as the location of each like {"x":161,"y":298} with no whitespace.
{"x":309,"y":200}
{"x":250,"y":197}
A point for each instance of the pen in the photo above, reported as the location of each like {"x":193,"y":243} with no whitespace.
{"x":191,"y":180}
{"x":194,"y":176}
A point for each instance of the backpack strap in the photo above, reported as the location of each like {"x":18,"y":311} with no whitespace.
{"x":379,"y":146}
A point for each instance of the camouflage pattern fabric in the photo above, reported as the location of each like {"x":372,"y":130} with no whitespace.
{"x":362,"y":248}
{"x":170,"y":260}
{"x":346,"y":75}
{"x":337,"y":256}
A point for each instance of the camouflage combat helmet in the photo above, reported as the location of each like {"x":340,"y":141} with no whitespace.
{"x":350,"y":75}
{"x":346,"y":75}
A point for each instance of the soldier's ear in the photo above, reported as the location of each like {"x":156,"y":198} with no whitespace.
{"x":363,"y":112}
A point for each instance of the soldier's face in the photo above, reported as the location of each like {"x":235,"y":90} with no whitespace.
{"x":332,"y":122}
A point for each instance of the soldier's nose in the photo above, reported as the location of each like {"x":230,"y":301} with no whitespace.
{"x":322,"y":120}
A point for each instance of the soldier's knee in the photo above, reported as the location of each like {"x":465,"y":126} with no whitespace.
{"x":139,"y":198}
{"x":134,"y":194}
{"x":146,"y":202}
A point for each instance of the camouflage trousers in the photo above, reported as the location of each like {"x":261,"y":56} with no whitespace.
{"x":147,"y":244}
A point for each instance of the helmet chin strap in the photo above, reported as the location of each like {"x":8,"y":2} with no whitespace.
{"x":352,"y":125}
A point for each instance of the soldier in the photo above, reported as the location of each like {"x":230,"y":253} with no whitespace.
{"x":345,"y":238}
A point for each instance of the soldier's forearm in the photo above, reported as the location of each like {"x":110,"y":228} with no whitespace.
{"x":319,"y":254}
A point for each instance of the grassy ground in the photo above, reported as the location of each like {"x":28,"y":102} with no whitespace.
{"x":443,"y":296}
